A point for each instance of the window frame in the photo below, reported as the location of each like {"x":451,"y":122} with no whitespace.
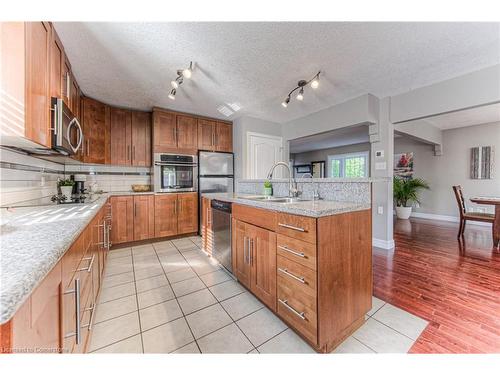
{"x":343,"y":157}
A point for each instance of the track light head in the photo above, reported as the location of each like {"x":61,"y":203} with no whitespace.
{"x":315,"y":82}
{"x":172,"y":94}
{"x":285,"y":102}
{"x":300,"y":95}
{"x":186,"y":73}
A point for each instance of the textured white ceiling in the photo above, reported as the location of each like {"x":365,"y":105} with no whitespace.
{"x":257,"y":64}
{"x":334,"y":138}
{"x":467,"y":117}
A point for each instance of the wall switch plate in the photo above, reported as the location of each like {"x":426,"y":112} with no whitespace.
{"x":381,"y":166}
{"x":380,"y":210}
{"x":379,"y":154}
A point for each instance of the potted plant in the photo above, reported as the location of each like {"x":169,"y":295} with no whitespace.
{"x":66,"y":187}
{"x":268,"y":188}
{"x":405,"y":192}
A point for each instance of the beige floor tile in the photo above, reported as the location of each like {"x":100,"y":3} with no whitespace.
{"x":163,"y":245}
{"x":159,"y":314}
{"x":261,"y":326}
{"x":253,"y":351}
{"x":352,"y":346}
{"x":173,"y":266}
{"x":187,"y":286}
{"x":225,"y":340}
{"x":115,"y":280}
{"x":151,"y":283}
{"x":227,"y":290}
{"x":204,"y":268}
{"x":145,"y":273}
{"x":376,"y":305}
{"x":188,"y":349}
{"x":165,"y":251}
{"x":196,"y":301}
{"x":117,"y":307}
{"x":146,"y":261}
{"x":154,"y":296}
{"x":381,"y":338}
{"x":111,"y":262}
{"x":408,"y":324}
{"x":131,"y":345}
{"x":241,"y":305}
{"x":216,"y":277}
{"x":115,"y":269}
{"x":142,"y":249}
{"x":119,"y":253}
{"x":286,"y":342}
{"x":187,"y":248}
{"x":193,"y":254}
{"x":181,"y":275}
{"x":208,"y":320}
{"x":116,"y":292}
{"x":113,"y":330}
{"x":167,"y":337}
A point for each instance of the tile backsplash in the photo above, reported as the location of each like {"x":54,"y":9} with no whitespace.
{"x":24,"y":177}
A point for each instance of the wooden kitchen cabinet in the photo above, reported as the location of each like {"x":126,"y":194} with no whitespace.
{"x":37,"y":82}
{"x":120,"y":136}
{"x":187,"y":132}
{"x":241,"y":262}
{"x":187,"y":213}
{"x":165,"y":215}
{"x":206,"y":134}
{"x":164,"y":131}
{"x":224,"y":137}
{"x":66,"y":81}
{"x":56,"y":65}
{"x":207,"y":236}
{"x":94,"y":131}
{"x":122,"y":222}
{"x":141,"y":139}
{"x":144,"y":217}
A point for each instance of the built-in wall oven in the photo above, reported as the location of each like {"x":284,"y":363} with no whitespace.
{"x":175,"y":173}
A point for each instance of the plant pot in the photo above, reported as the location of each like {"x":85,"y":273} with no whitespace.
{"x":268,"y":191}
{"x":66,"y":190}
{"x":403,"y":212}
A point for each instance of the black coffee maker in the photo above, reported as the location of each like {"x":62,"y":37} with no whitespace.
{"x":79,"y":186}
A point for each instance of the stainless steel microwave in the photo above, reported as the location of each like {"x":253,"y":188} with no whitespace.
{"x":67,"y":134}
{"x":175,"y":173}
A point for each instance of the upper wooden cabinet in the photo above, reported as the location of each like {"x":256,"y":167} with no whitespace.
{"x":37,"y":78}
{"x":141,"y":139}
{"x":224,"y":137}
{"x":215,"y":136}
{"x":120,"y":136}
{"x":56,"y":65}
{"x":94,"y":131}
{"x":187,"y":132}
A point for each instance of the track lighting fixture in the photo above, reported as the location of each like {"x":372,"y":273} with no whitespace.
{"x":300,"y":86}
{"x":181,"y":74}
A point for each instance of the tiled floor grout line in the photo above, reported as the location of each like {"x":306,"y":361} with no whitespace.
{"x":394,"y":329}
{"x":222,"y":307}
{"x":362,"y":343}
{"x":113,"y":343}
{"x":137,"y":301}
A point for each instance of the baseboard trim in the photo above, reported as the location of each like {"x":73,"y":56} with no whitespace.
{"x":388,"y":245}
{"x":453,"y":219}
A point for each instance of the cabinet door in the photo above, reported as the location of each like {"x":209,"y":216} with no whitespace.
{"x":141,"y":139}
{"x":56,"y":65}
{"x":240,"y":254}
{"x":144,"y":215}
{"x":206,"y":134}
{"x":187,"y":213}
{"x":75,"y":97}
{"x":165,"y":215}
{"x":224,"y":137}
{"x":94,"y":129}
{"x":187,"y":132}
{"x":122,"y":209}
{"x":164,"y":131}
{"x":263,"y":262}
{"x":120,"y":142}
{"x":66,"y":81}
{"x":37,"y":91}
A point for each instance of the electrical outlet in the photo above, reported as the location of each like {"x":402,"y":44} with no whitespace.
{"x":380,"y":210}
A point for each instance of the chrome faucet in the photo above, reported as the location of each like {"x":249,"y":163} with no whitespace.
{"x":292,"y":184}
{"x":315,"y":195}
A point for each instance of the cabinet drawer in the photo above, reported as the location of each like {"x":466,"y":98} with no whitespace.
{"x":296,"y":309}
{"x":298,"y":278}
{"x":256,"y":216}
{"x":299,"y":227}
{"x":299,"y":251}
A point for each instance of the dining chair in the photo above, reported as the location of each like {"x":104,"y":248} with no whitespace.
{"x":464,"y":215}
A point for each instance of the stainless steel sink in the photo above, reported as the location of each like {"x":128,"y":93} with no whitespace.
{"x":263,"y":198}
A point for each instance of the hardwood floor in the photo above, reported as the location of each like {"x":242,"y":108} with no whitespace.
{"x":456,"y":287}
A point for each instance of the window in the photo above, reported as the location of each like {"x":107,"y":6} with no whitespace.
{"x":348,"y":165}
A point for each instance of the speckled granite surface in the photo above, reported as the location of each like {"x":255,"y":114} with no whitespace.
{"x":307,"y":208}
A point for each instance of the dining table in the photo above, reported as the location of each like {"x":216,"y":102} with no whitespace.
{"x":493,"y":201}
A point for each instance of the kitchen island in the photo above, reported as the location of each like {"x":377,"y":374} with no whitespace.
{"x":310,"y":262}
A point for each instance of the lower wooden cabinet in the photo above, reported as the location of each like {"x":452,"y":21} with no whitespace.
{"x":144,"y":217}
{"x":187,"y":214}
{"x":207,"y":236}
{"x":122,"y":208}
{"x":176,"y":214}
{"x":254,"y":260}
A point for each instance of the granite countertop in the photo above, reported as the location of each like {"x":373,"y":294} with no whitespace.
{"x":305,"y":208}
{"x":33,"y":240}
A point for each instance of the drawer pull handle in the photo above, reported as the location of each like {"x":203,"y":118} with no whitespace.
{"x":77,"y":333}
{"x":285,"y":271}
{"x":302,"y":255}
{"x":291,"y":227}
{"x":301,"y":315}
{"x":89,"y":268}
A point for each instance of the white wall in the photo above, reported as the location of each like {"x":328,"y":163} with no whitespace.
{"x":243,"y":125}
{"x":453,"y":167}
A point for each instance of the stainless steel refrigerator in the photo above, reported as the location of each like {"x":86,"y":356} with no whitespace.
{"x":215,"y":174}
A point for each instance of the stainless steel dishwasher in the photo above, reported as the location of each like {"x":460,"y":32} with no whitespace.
{"x":221,"y":224}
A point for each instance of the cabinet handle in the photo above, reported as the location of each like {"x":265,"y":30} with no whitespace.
{"x":250,"y":255}
{"x":291,"y":227}
{"x":89,"y":268}
{"x":245,"y":249}
{"x":91,"y":320}
{"x":68,"y":85}
{"x":133,"y":153}
{"x":301,"y":315}
{"x":302,"y":255}
{"x":213,"y":139}
{"x":298,"y":278}
{"x":77,"y":333}
{"x":88,"y":148}
{"x":175,"y":208}
{"x":175,"y":134}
